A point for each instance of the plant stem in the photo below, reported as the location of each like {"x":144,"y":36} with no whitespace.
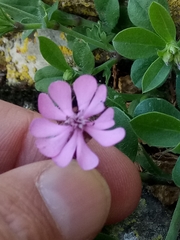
{"x":68,"y":19}
{"x":109,"y":64}
{"x":28,"y":26}
{"x":89,"y":40}
{"x":150,"y":180}
{"x":177,"y":88}
{"x":175,"y":223}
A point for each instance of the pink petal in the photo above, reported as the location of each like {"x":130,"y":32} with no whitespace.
{"x":84,"y":87}
{"x":106,"y":138}
{"x":51,"y":147}
{"x":60,"y":92}
{"x":96,"y":106}
{"x":105,"y":120}
{"x":48,"y":109}
{"x":66,"y":155}
{"x":41,"y":127}
{"x":85,"y":157}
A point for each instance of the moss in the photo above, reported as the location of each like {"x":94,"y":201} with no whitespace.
{"x":159,"y":237}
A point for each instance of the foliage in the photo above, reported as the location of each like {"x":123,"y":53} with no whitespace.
{"x":149,"y":40}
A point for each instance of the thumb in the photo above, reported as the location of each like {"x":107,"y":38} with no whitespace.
{"x":42,"y":201}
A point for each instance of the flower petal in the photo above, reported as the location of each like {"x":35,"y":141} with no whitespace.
{"x":41,"y":127}
{"x":105,"y":120}
{"x":96,"y":106}
{"x":48,"y":109}
{"x":85,"y":157}
{"x":66,"y":155}
{"x":84,"y":87}
{"x":60,"y":92}
{"x":51,"y":147}
{"x":106,"y":138}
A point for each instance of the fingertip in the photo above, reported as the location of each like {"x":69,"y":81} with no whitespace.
{"x":61,"y":203}
{"x":123,"y":180}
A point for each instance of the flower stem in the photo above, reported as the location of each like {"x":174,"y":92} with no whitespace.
{"x":106,"y":47}
{"x":109,"y":64}
{"x":27,"y":26}
{"x":175,"y":223}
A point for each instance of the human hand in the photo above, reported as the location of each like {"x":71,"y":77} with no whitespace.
{"x":40,"y":200}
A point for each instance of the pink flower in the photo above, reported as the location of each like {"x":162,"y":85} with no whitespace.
{"x":60,"y":132}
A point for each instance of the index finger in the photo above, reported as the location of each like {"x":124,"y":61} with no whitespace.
{"x":16,"y":143}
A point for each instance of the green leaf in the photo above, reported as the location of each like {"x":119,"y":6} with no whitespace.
{"x":155,"y":75}
{"x":138,"y":69}
{"x":176,"y":173}
{"x":107,"y":74}
{"x":130,"y":96}
{"x":45,"y":76}
{"x":157,"y":129}
{"x":83,"y":56}
{"x":20,"y":9}
{"x":108,"y":11}
{"x":148,"y":164}
{"x":52,"y":9}
{"x":130,"y":143}
{"x":132,"y":106}
{"x":137,"y":42}
{"x":52,"y":54}
{"x":138,"y":12}
{"x":114,"y":99}
{"x":156,"y":105}
{"x":177,"y":89}
{"x":162,"y":22}
{"x":176,"y":149}
{"x":26,"y":33}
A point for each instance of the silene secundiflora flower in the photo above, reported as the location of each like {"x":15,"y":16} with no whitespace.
{"x":60,"y":131}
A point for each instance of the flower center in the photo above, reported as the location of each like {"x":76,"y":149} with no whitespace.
{"x":77,"y":121}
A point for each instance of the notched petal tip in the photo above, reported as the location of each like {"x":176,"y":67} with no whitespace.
{"x":48,"y":109}
{"x":106,"y":138}
{"x":61,"y":93}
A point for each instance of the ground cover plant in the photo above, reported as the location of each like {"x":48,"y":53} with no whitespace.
{"x":143,"y":32}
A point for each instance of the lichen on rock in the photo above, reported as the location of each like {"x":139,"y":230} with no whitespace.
{"x":23,"y":57}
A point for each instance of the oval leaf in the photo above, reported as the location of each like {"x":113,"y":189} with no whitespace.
{"x":155,"y":75}
{"x":114,"y":99}
{"x":176,"y":173}
{"x":157,"y":129}
{"x":83,"y":56}
{"x":176,"y":149}
{"x":52,"y":54}
{"x":45,"y":76}
{"x":138,"y":69}
{"x":162,"y":22}
{"x":138,"y":12}
{"x":156,"y":105}
{"x":130,"y":143}
{"x":137,"y":42}
{"x":108,"y":11}
{"x":20,"y":9}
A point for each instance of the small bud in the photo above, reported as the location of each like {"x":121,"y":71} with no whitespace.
{"x":167,"y":58}
{"x":68,"y":75}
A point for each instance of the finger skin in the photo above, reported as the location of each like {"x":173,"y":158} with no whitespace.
{"x":123,"y":180}
{"x":83,"y":202}
{"x":16,"y":144}
{"x":17,"y":148}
